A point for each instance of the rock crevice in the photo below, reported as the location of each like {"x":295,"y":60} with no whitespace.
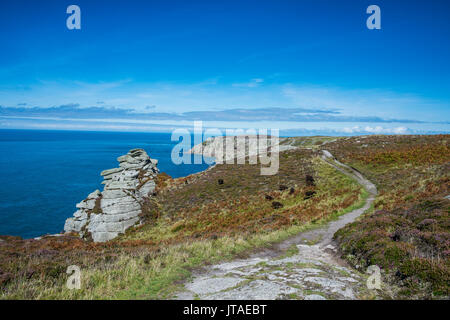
{"x":104,"y":215}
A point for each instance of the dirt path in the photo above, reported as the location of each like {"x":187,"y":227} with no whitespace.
{"x":314,"y":273}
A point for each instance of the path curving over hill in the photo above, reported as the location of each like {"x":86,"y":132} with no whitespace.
{"x":313,"y":273}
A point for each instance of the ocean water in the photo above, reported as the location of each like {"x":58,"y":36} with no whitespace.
{"x":43,"y":174}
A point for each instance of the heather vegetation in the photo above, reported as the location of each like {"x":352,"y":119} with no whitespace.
{"x":230,"y":211}
{"x":246,"y":202}
{"x":408,"y":234}
{"x":218,"y":214}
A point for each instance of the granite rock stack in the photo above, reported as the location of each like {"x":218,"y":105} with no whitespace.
{"x":104,"y":215}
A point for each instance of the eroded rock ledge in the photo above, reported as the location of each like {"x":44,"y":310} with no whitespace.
{"x":104,"y":215}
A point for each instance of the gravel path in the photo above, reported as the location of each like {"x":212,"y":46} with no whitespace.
{"x":314,"y":273}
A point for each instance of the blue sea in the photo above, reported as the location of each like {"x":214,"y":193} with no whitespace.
{"x":43,"y":174}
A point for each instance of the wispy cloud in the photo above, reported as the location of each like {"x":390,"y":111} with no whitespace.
{"x":219,"y":100}
{"x":253,"y":83}
{"x":369,"y":102}
{"x":74,"y":111}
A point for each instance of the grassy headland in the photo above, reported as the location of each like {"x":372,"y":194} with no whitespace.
{"x":231,"y":210}
{"x":190,"y":222}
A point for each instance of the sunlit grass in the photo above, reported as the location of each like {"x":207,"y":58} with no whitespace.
{"x":148,"y":274}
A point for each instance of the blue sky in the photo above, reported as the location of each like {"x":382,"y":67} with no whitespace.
{"x":312,"y":64}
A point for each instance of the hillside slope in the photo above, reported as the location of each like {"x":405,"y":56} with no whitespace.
{"x":231,"y":210}
{"x":408,"y":234}
{"x":302,"y":267}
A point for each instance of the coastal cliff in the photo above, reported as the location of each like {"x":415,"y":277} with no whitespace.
{"x":226,"y":148}
{"x":251,"y":230}
{"x":104,"y":215}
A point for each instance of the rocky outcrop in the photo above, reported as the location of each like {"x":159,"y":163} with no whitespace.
{"x":104,"y":215}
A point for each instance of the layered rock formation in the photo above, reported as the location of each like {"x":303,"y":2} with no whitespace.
{"x":104,"y":215}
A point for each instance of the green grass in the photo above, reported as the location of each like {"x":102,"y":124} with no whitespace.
{"x":313,"y":142}
{"x":137,"y":274}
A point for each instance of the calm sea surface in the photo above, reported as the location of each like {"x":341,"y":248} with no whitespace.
{"x":43,"y":174}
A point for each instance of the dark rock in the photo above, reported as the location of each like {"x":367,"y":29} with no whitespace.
{"x":220,"y":181}
{"x":310,"y":180}
{"x":309,"y":195}
{"x":214,"y":237}
{"x":277,"y":205}
{"x":291,"y":191}
{"x":396,"y":236}
{"x":400,"y":275}
{"x":270,"y":198}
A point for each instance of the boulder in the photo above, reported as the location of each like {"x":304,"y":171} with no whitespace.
{"x":102,"y":216}
{"x":277,"y":205}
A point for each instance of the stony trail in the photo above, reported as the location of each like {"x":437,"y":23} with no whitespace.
{"x":314,"y":273}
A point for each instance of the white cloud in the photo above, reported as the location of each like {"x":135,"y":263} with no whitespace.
{"x":373,"y":102}
{"x":374,"y":130}
{"x":253,"y":83}
{"x":209,"y":95}
{"x":400,"y":130}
